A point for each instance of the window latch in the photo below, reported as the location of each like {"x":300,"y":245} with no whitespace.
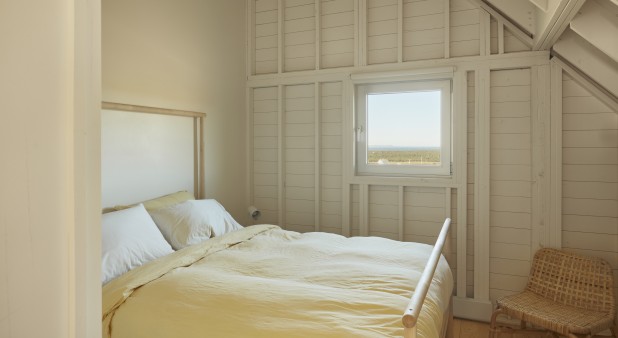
{"x":359,"y":133}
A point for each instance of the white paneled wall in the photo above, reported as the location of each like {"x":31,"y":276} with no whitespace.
{"x":424,"y":30}
{"x":303,"y":56}
{"x":464,"y":28}
{"x":471,"y":115}
{"x":265,"y":152}
{"x":265,"y":36}
{"x":331,"y":157}
{"x":299,"y":145}
{"x":287,"y":36}
{"x":382,"y":31}
{"x":589,"y":174}
{"x":510,"y":181}
{"x":299,"y":35}
{"x":337,"y":33}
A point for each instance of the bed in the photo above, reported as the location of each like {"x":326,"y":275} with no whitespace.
{"x":264,"y":281}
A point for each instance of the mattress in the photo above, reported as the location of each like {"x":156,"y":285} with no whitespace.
{"x":263,"y":281}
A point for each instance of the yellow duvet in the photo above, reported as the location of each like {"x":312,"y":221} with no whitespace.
{"x":263,"y":281}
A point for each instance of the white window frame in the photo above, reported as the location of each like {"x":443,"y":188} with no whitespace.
{"x":362,"y":90}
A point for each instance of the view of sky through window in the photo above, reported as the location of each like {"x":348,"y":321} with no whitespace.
{"x":404,"y":127}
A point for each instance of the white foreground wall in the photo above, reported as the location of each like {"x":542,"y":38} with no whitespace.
{"x":49,"y":150}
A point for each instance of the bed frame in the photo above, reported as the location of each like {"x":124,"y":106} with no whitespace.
{"x":412,"y":311}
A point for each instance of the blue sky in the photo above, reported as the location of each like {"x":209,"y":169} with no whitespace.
{"x":404,"y":119}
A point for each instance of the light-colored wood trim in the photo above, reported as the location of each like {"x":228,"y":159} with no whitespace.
{"x":447,"y":28}
{"x":544,"y":137}
{"x":561,"y":17}
{"x":536,"y":137}
{"x":401,"y":212}
{"x":481,"y":185}
{"x":438,"y":182}
{"x":494,"y":62}
{"x":317,"y":156}
{"x":555,"y":194}
{"x":196,"y":156}
{"x":281,"y":155}
{"x":202,"y":190}
{"x":250,"y":150}
{"x":281,"y":40}
{"x":412,"y":74}
{"x":500,"y":36}
{"x":413,"y":309}
{"x":460,"y":167}
{"x":347,"y":135}
{"x":400,"y":31}
{"x":149,"y":110}
{"x":357,"y":44}
{"x":250,"y":15}
{"x":484,"y":33}
{"x":318,"y":34}
{"x":363,"y":205}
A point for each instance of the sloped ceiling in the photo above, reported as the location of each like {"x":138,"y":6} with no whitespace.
{"x":583,"y":33}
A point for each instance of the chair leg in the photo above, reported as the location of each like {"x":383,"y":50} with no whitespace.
{"x":493,"y":331}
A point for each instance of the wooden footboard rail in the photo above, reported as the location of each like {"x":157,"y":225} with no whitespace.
{"x":410,"y":316}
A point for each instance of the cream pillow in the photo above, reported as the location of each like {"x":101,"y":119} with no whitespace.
{"x":129,"y":238}
{"x":193,"y":221}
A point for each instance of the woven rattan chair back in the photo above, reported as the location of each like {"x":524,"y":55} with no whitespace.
{"x":574,"y":280}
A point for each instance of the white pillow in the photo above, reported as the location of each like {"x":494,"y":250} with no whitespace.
{"x":193,"y":221}
{"x":130,"y":238}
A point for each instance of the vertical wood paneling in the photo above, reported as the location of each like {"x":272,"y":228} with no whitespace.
{"x":470,"y":99}
{"x":299,"y":145}
{"x":590,"y":174}
{"x":424,"y":209}
{"x":382,"y":37}
{"x":337,"y":33}
{"x":512,"y":43}
{"x":464,"y":28}
{"x":266,"y":36}
{"x":299,"y":35}
{"x":482,"y":212}
{"x":331,"y":166}
{"x":299,"y":140}
{"x":383,"y":211}
{"x":265,"y":153}
{"x":423,"y":30}
{"x":355,"y":217}
{"x":511,"y":165}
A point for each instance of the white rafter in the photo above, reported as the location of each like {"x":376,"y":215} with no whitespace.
{"x":552,"y":22}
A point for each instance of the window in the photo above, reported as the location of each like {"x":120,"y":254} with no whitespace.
{"x":403,"y":128}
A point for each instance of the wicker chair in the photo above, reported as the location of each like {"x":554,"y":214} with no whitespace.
{"x":566,"y":293}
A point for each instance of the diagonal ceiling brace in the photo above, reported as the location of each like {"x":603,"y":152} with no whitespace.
{"x":520,"y":32}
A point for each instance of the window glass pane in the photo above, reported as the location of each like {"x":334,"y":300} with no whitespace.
{"x":404,"y":128}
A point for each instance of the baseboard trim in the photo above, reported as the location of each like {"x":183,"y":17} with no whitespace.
{"x":473,"y":309}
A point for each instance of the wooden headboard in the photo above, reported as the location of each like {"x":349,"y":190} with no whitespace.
{"x":147,"y":152}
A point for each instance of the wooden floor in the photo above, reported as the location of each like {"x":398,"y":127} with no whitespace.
{"x":471,"y":329}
